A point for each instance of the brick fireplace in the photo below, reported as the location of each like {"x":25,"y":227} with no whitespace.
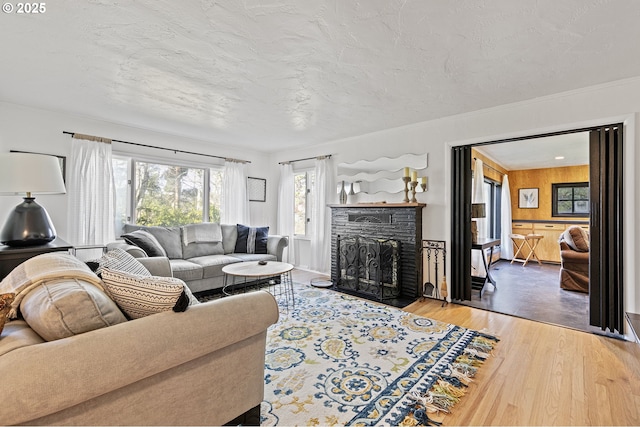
{"x":375,"y":249}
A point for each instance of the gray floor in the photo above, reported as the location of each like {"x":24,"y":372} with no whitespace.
{"x":533,"y":292}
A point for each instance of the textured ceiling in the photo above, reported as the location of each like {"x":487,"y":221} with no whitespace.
{"x":273,"y":74}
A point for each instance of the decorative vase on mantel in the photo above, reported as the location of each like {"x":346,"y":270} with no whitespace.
{"x":343,"y":194}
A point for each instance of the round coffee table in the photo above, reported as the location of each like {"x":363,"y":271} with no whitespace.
{"x":253,"y":271}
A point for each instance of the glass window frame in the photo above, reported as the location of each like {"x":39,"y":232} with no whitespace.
{"x":132,"y":159}
{"x":555,"y":199}
{"x":308,"y":201}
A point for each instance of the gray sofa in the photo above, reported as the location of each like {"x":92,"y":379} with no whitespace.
{"x":199,"y":260}
{"x":204,"y":366}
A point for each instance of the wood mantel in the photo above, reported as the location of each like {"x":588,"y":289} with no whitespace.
{"x":379,"y":205}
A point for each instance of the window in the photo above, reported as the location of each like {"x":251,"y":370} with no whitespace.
{"x":152,"y":193}
{"x":493,"y":207}
{"x":570,"y":199}
{"x":303,"y":184}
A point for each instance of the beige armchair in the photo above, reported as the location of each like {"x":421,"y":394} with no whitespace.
{"x":574,"y":255}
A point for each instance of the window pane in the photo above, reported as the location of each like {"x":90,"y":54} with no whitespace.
{"x":565,"y":207}
{"x":565,"y":193}
{"x":581,"y":206}
{"x":311,"y":182}
{"x":215,"y":194}
{"x":168,"y":195}
{"x":581,"y":193}
{"x":121,"y":182}
{"x":300,"y":202}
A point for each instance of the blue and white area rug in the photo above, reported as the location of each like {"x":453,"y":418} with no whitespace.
{"x":339,"y":360}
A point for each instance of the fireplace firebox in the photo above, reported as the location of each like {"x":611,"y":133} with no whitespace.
{"x":369,"y":266}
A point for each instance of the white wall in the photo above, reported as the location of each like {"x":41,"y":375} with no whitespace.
{"x":619,"y":101}
{"x":29,"y":129}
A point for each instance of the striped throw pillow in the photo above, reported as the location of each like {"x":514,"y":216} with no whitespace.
{"x":140,"y":296}
{"x":121,"y":260}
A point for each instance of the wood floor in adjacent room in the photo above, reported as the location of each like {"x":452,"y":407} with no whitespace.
{"x":541,"y":374}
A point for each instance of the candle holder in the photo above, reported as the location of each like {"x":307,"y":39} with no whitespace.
{"x":424,"y":187}
{"x":406,"y":180}
{"x":413,"y":184}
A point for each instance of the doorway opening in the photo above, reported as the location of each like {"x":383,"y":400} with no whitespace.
{"x":536,"y":193}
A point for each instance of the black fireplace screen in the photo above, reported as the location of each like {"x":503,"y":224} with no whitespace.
{"x":369,"y":266}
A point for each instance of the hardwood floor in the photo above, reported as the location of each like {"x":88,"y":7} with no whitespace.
{"x":540,"y":374}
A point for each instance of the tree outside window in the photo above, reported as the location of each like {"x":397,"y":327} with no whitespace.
{"x":165,"y":195}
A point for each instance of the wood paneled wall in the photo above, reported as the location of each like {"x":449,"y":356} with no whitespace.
{"x":542,"y":180}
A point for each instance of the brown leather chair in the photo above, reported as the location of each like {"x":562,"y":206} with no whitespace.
{"x":574,"y":255}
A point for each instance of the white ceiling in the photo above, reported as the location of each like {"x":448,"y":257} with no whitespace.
{"x":552,"y":151}
{"x":276,"y":74}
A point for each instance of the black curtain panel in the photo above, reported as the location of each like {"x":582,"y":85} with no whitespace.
{"x":606,"y":234}
{"x":461,"y":223}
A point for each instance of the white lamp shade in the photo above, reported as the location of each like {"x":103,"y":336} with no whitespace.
{"x":22,"y":173}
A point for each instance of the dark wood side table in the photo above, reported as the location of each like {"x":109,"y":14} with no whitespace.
{"x":478,"y":282}
{"x":11,"y":257}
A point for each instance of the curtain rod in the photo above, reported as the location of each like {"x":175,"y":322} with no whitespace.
{"x":326,"y":156}
{"x":491,"y":167}
{"x":171,"y":149}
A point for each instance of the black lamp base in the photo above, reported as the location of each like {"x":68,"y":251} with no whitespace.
{"x":28,"y":225}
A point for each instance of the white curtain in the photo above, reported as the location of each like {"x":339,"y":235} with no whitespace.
{"x":286,"y":209}
{"x":235,"y":203}
{"x":320,"y":217}
{"x":91,"y":193}
{"x":478,"y":196}
{"x":506,"y":248}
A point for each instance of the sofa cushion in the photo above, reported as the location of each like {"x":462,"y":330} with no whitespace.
{"x":140,"y":296}
{"x":5,"y":306}
{"x":252,"y":240}
{"x":577,"y":238}
{"x":229,"y":237}
{"x":186,"y":270}
{"x":17,"y":334}
{"x":145,"y":241}
{"x":205,"y":232}
{"x":212,"y":265}
{"x":201,"y":239}
{"x":118,"y":259}
{"x":62,"y":308}
{"x":169,"y":237}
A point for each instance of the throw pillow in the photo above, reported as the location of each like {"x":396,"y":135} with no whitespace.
{"x":62,"y":308}
{"x":169,"y":237}
{"x":140,"y":296}
{"x":577,"y":238}
{"x":5,"y":306}
{"x":145,"y":241}
{"x":118,"y":259}
{"x":252,"y":240}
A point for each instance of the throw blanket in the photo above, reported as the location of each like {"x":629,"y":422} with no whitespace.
{"x":43,"y":268}
{"x":201,"y":233}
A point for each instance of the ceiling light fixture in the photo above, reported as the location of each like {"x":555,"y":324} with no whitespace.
{"x":559,"y":157}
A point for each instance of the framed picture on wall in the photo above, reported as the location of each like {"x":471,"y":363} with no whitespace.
{"x":528,"y":198}
{"x":257,"y":189}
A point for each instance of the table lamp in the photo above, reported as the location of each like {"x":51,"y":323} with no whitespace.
{"x":477,"y":211}
{"x":25,"y":173}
